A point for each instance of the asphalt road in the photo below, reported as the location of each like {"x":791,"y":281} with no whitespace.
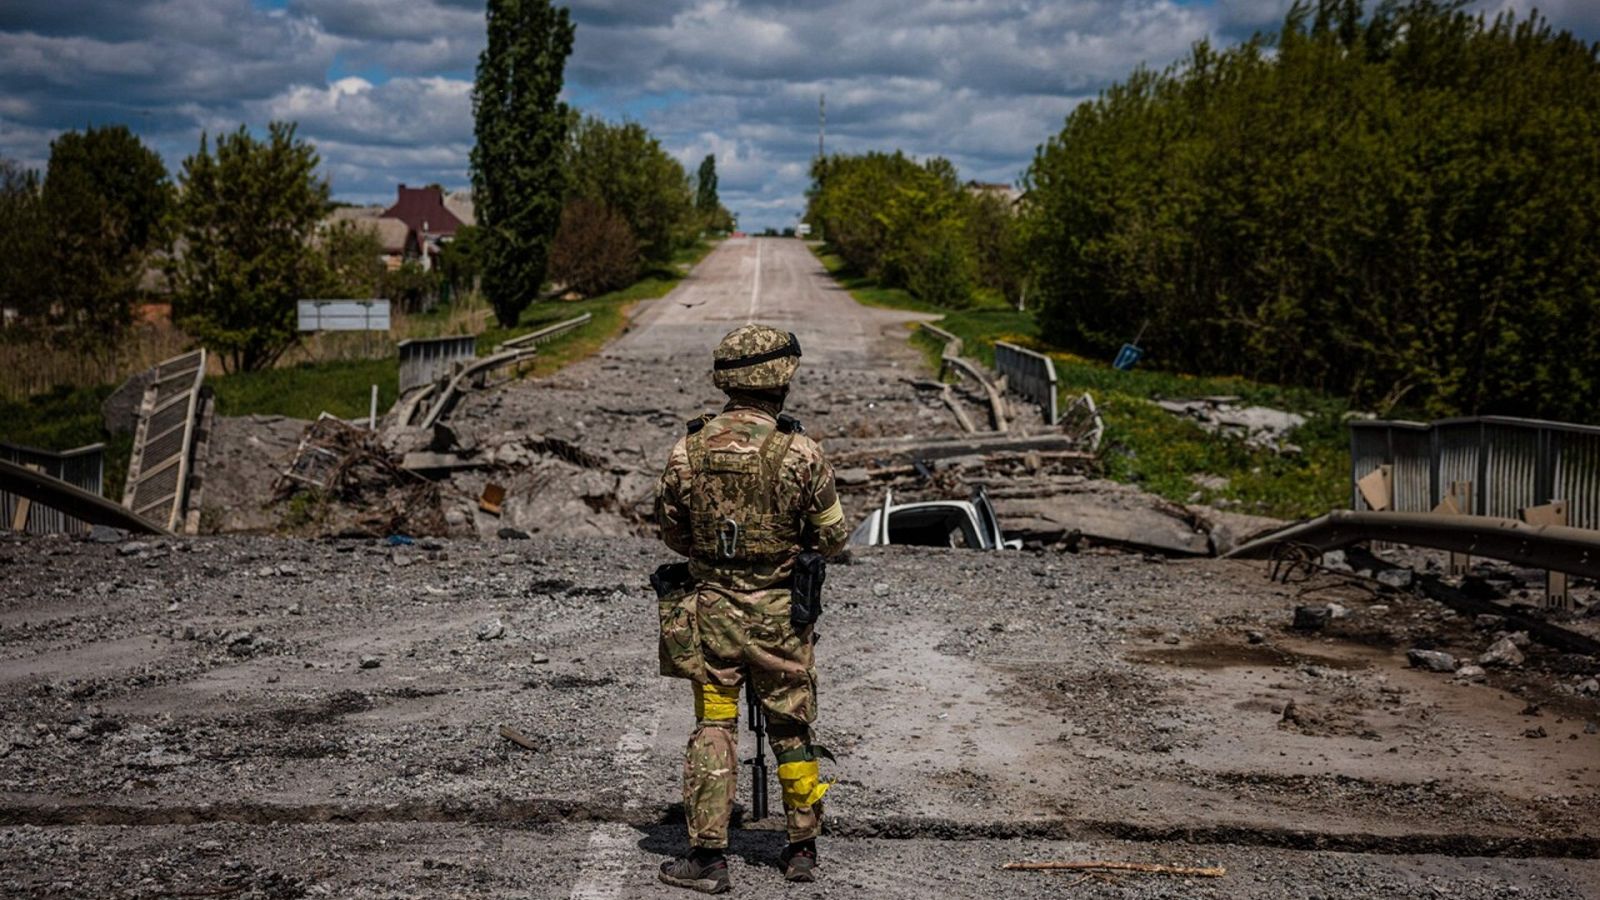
{"x":248,"y":716}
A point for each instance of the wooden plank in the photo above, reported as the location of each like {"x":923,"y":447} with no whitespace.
{"x":1377,"y":488}
{"x":1555,"y":585}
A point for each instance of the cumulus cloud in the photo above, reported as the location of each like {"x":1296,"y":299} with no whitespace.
{"x":383,"y":86}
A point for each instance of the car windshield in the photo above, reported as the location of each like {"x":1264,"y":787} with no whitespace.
{"x":933,"y":526}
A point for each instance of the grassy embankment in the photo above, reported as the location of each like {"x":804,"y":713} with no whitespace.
{"x":66,"y":418}
{"x":1144,"y":444}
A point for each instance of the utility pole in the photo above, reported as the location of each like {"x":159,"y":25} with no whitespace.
{"x":822,"y":122}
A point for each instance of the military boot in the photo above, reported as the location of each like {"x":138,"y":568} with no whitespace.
{"x":703,"y":869}
{"x":799,"y":861}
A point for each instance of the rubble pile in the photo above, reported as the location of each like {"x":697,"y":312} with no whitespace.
{"x":343,"y":482}
{"x":1261,"y":427}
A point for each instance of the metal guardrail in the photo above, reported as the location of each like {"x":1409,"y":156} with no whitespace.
{"x":83,"y":468}
{"x":951,"y":357}
{"x":1033,"y":375}
{"x":71,"y":500}
{"x":452,"y":392}
{"x":1558,"y":547}
{"x":1510,"y":464}
{"x":535,"y":338}
{"x":158,"y":473}
{"x":426,"y":360}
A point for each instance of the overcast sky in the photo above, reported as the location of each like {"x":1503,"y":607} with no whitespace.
{"x":383,"y":87}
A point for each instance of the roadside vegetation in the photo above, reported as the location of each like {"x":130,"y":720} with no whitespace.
{"x":1393,"y":204}
{"x":1387,"y":207}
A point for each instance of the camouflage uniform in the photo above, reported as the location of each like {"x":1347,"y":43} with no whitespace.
{"x":743,"y":467}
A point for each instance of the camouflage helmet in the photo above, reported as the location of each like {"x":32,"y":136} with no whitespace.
{"x":754,"y":358}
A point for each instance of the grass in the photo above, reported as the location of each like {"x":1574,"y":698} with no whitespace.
{"x":305,"y":390}
{"x":1144,"y":444}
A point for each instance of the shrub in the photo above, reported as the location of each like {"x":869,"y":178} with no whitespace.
{"x":594,"y":251}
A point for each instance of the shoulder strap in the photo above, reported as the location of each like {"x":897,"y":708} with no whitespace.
{"x":697,"y":451}
{"x":773,"y":451}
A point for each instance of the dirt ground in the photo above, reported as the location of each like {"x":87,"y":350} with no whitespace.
{"x":261,"y":716}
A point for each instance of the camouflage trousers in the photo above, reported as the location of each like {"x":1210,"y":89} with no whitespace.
{"x":747,"y":634}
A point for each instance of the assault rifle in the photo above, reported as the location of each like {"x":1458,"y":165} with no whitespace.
{"x":758,"y":762}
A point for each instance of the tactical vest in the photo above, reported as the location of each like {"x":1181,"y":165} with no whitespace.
{"x":735,"y":511}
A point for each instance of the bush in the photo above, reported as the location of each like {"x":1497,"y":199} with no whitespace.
{"x":940,"y":270}
{"x":594,"y":251}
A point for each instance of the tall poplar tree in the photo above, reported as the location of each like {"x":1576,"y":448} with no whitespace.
{"x":705,"y":195}
{"x":521,"y":129}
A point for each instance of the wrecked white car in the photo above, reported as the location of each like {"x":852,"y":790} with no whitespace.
{"x":937,"y":523}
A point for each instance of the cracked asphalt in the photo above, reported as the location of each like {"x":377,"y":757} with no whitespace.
{"x":268,"y":717}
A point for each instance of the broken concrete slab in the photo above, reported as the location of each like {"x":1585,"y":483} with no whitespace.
{"x":1105,"y":513}
{"x":1257,"y":426}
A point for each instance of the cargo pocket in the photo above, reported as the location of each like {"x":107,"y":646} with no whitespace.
{"x":680,"y":636}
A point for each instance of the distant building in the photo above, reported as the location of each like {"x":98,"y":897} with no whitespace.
{"x":1010,"y":194}
{"x":461,"y":206}
{"x":416,"y":227}
{"x":398,"y":242}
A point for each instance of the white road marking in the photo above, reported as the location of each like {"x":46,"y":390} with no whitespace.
{"x":755,"y":289}
{"x":612,"y":848}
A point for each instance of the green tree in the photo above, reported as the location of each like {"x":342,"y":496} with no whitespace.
{"x":521,"y":128}
{"x":461,"y":259}
{"x":104,"y":198}
{"x":353,"y":259}
{"x":624,"y":168}
{"x":22,"y":233}
{"x":409,"y":287}
{"x":899,"y":221}
{"x":705,"y":186}
{"x":245,"y":219}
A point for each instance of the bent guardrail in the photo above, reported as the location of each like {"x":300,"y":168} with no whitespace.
{"x":535,"y":338}
{"x":951,"y":357}
{"x":82,"y":467}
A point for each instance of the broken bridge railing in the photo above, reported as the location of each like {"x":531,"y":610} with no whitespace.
{"x":1484,"y":465}
{"x":1495,"y":467}
{"x":83,"y":468}
{"x":426,"y":360}
{"x":172,"y":414}
{"x":950,"y":358}
{"x":1031,"y":374}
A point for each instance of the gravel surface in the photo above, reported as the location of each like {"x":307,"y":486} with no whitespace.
{"x":275,"y":717}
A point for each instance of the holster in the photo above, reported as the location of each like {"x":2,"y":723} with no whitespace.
{"x":678,"y":602}
{"x":805,"y":588}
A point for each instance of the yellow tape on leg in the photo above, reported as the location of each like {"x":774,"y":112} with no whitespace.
{"x":800,"y":785}
{"x":715,"y":703}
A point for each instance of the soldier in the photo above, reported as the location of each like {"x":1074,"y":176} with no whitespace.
{"x":745,"y":493}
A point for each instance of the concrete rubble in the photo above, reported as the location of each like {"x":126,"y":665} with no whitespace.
{"x":1258,"y":426}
